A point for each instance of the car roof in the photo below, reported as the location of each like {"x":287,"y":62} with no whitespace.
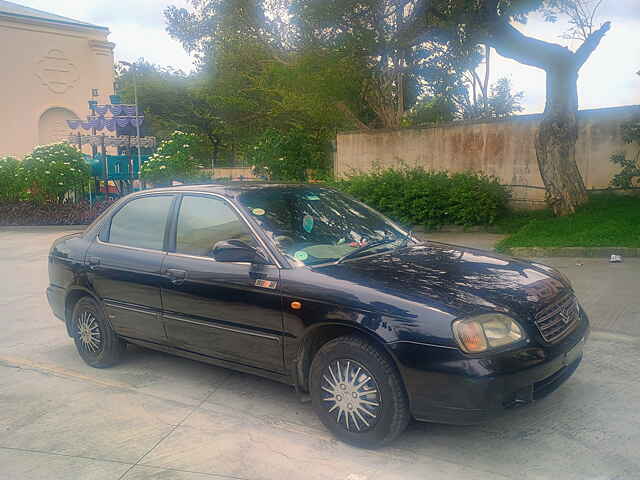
{"x":233,"y":189}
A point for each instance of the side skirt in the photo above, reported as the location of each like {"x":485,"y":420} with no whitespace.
{"x":278,"y":377}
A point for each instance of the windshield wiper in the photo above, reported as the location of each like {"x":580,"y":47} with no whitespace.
{"x":375,"y":243}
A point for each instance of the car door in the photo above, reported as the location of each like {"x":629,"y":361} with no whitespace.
{"x":124,"y":266}
{"x":228,"y":311}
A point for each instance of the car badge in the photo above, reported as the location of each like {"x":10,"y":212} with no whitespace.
{"x":564,"y":318}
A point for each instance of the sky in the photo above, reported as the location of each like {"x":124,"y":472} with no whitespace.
{"x":608,"y":79}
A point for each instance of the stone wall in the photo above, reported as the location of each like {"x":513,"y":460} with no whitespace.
{"x":503,"y":148}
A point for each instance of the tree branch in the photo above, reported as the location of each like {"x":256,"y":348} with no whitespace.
{"x":511,"y":43}
{"x":349,"y":113}
{"x":590,"y":44}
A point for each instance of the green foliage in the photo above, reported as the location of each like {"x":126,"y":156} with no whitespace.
{"x":629,"y":176}
{"x":12,"y":179}
{"x":53,"y":170}
{"x":174,"y":160}
{"x":290,"y":156}
{"x":607,"y":220}
{"x":65,"y":213}
{"x":430,"y":111}
{"x":418,"y":197}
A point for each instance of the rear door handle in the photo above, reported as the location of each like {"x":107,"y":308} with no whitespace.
{"x":176,"y":277}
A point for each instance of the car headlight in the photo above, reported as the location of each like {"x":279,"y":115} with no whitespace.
{"x":485,"y":332}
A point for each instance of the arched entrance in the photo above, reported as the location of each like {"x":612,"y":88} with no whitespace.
{"x":52,"y":126}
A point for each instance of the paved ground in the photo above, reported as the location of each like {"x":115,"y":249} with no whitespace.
{"x":160,"y":417}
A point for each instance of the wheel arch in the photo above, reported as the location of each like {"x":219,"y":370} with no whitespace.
{"x":318,"y":335}
{"x":73,"y":297}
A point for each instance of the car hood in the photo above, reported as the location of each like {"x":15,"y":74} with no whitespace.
{"x":453,"y":279}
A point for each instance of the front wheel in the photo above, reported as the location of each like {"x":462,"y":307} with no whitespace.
{"x":97,"y":343}
{"x":357,"y":392}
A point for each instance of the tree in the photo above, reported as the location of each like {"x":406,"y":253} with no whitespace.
{"x":172,"y":100}
{"x":499,"y":102}
{"x":401,"y":66}
{"x":489,"y":22}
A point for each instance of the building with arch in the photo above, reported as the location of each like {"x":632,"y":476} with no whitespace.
{"x":51,"y":66}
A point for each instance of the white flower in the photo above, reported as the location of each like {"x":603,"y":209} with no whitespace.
{"x":162,"y":167}
{"x":47,"y":172}
{"x":60,"y":183}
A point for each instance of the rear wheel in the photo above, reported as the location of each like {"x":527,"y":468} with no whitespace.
{"x":97,"y":343}
{"x":357,"y":392}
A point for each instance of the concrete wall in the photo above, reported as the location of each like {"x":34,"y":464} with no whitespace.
{"x":48,"y":72}
{"x":501,"y":148}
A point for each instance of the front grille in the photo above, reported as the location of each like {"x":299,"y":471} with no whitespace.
{"x":560,"y":319}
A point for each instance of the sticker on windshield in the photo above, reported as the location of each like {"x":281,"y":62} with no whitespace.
{"x":307,"y":223}
{"x":258,"y":211}
{"x":301,"y":255}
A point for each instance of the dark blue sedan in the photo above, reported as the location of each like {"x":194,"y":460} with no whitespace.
{"x":304,"y":285}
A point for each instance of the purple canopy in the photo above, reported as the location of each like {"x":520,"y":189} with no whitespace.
{"x":116,"y":109}
{"x":110,"y":124}
{"x":73,"y":124}
{"x":102,"y":109}
{"x":122,"y":121}
{"x":130,"y":110}
{"x":137,"y":121}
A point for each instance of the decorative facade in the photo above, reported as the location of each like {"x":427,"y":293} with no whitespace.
{"x":51,"y":66}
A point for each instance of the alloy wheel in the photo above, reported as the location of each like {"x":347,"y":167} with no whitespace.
{"x":89,"y":332}
{"x":351,"y":395}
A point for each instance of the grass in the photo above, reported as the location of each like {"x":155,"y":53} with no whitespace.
{"x":606,"y":221}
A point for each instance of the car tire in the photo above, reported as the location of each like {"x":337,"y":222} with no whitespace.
{"x":97,"y":343}
{"x":364,"y":413}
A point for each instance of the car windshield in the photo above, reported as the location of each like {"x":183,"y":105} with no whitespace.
{"x":319,"y":225}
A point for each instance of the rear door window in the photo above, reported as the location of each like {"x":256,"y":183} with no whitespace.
{"x":141,"y":223}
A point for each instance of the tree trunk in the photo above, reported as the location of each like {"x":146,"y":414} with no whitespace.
{"x":556,"y":142}
{"x":558,"y":132}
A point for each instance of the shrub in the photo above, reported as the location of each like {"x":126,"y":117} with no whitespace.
{"x":290,"y":156}
{"x":66,"y":213}
{"x":51,"y":171}
{"x":12,"y":180}
{"x":418,"y":197}
{"x":629,"y":175}
{"x":175,"y":159}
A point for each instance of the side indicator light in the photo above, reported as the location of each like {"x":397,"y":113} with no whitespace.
{"x":296,"y":305}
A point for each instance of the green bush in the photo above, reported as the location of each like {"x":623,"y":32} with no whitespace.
{"x":629,"y":175}
{"x":51,"y":171}
{"x":418,"y":197}
{"x":12,"y":180}
{"x":175,"y":159}
{"x":290,"y":156}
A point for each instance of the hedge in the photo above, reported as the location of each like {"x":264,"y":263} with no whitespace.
{"x":68,"y":213}
{"x":419,"y":197}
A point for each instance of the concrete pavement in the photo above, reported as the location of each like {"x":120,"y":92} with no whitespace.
{"x":155,"y":416}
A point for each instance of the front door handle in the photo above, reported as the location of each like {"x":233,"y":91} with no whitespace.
{"x":93,"y":262}
{"x":176,"y":277}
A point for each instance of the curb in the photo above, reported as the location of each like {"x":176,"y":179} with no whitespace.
{"x":600,"y":252}
{"x":457,"y":229}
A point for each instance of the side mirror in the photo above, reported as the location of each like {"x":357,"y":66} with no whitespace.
{"x":237,"y":251}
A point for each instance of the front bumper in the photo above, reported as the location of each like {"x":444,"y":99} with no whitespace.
{"x":447,"y":386}
{"x":56,"y":299}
